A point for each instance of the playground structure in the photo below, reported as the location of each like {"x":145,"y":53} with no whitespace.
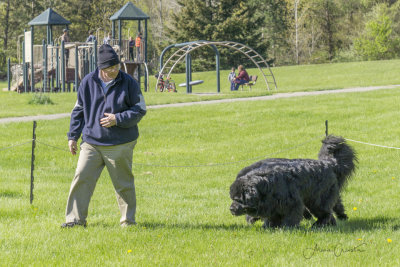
{"x":184,"y":50}
{"x":55,"y":65}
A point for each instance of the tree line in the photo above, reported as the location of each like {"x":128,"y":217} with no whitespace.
{"x":283,"y":31}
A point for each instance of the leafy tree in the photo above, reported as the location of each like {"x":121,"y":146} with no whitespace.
{"x":378,"y":41}
{"x":219,"y":20}
{"x":276,"y":30}
{"x":326,"y":29}
{"x":327,"y":15}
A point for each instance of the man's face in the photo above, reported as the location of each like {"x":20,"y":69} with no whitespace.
{"x":111,"y":72}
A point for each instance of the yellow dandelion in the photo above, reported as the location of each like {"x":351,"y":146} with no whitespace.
{"x":374,"y":171}
{"x":355,"y":208}
{"x":359,"y":239}
{"x":129,"y":250}
{"x":389,"y":240}
{"x":393,"y":178}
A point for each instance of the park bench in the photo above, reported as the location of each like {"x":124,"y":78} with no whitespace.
{"x":252,"y":81}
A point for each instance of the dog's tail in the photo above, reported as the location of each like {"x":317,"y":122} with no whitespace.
{"x":335,"y":147}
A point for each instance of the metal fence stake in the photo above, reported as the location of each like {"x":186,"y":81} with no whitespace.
{"x":33,"y":159}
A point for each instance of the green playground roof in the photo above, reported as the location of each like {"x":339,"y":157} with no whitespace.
{"x":129,"y":12}
{"x":49,"y":17}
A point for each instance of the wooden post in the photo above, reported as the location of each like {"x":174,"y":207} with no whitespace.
{"x":33,"y":159}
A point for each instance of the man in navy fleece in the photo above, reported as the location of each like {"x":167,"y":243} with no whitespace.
{"x":109,"y":107}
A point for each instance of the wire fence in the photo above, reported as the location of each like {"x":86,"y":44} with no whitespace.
{"x":16,"y":145}
{"x":183,"y":166}
{"x":364,"y":143}
{"x":34,"y":142}
{"x":210,"y":164}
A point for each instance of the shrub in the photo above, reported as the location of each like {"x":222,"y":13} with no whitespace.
{"x":378,"y":40}
{"x":41,"y":99}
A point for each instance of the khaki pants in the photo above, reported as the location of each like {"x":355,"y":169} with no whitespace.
{"x":92,"y":159}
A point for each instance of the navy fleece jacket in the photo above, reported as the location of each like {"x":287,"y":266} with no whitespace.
{"x":123,"y":98}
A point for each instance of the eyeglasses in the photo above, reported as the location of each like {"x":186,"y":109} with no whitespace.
{"x":111,"y":69}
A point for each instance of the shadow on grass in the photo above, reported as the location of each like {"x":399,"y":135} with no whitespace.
{"x":195,"y":226}
{"x":353,"y":225}
{"x":365,"y":224}
{"x":10,"y":194}
{"x":183,"y":226}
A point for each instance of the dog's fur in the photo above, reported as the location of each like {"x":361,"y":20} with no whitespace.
{"x":280,"y":191}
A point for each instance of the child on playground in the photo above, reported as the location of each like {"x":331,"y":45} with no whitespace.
{"x":131,"y":46}
{"x":65,"y":37}
{"x":231,"y":78}
{"x":107,"y":39}
{"x":91,"y":38}
{"x":138,"y":41}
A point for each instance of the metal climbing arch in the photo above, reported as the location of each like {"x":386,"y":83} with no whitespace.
{"x":255,"y":57}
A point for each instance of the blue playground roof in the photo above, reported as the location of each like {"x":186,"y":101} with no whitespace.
{"x":129,"y":12}
{"x":49,"y":17}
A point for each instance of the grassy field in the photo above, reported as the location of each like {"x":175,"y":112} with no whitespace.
{"x":289,"y":79}
{"x":183,"y":212}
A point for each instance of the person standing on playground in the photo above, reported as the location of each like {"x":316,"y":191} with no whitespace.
{"x":231,"y":78}
{"x":131,"y":46}
{"x":107,"y":112}
{"x":91,"y":38}
{"x":138,"y":43}
{"x":242,"y":78}
{"x":65,"y":37}
{"x":107,"y":39}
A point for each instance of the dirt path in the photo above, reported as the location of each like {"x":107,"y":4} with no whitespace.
{"x":257,"y":98}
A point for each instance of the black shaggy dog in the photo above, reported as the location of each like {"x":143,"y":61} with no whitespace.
{"x":280,"y":191}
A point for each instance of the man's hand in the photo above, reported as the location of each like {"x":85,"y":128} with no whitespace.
{"x":72,"y":146}
{"x":108,"y":121}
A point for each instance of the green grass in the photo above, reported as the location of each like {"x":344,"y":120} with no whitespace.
{"x":289,"y":79}
{"x":183,"y":212}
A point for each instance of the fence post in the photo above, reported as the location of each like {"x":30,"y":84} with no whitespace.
{"x":76,"y":69}
{"x":26,"y":66}
{"x":63,"y":67}
{"x":95,"y":55}
{"x":58,"y":69}
{"x":326,"y":128}
{"x":33,"y":159}
{"x":44,"y":48}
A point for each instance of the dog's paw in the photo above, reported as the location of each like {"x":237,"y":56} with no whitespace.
{"x":251,"y":220}
{"x":325,"y":221}
{"x":307,"y":215}
{"x":266,"y":224}
{"x":342,"y":217}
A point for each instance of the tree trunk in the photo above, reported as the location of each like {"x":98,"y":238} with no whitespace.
{"x":161,"y":23}
{"x":6,"y":25}
{"x":296,"y":25}
{"x":329,"y":30}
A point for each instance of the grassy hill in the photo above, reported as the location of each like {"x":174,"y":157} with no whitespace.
{"x":289,"y":79}
{"x":184,"y":163}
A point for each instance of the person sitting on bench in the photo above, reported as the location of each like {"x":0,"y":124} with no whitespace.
{"x":242,"y":78}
